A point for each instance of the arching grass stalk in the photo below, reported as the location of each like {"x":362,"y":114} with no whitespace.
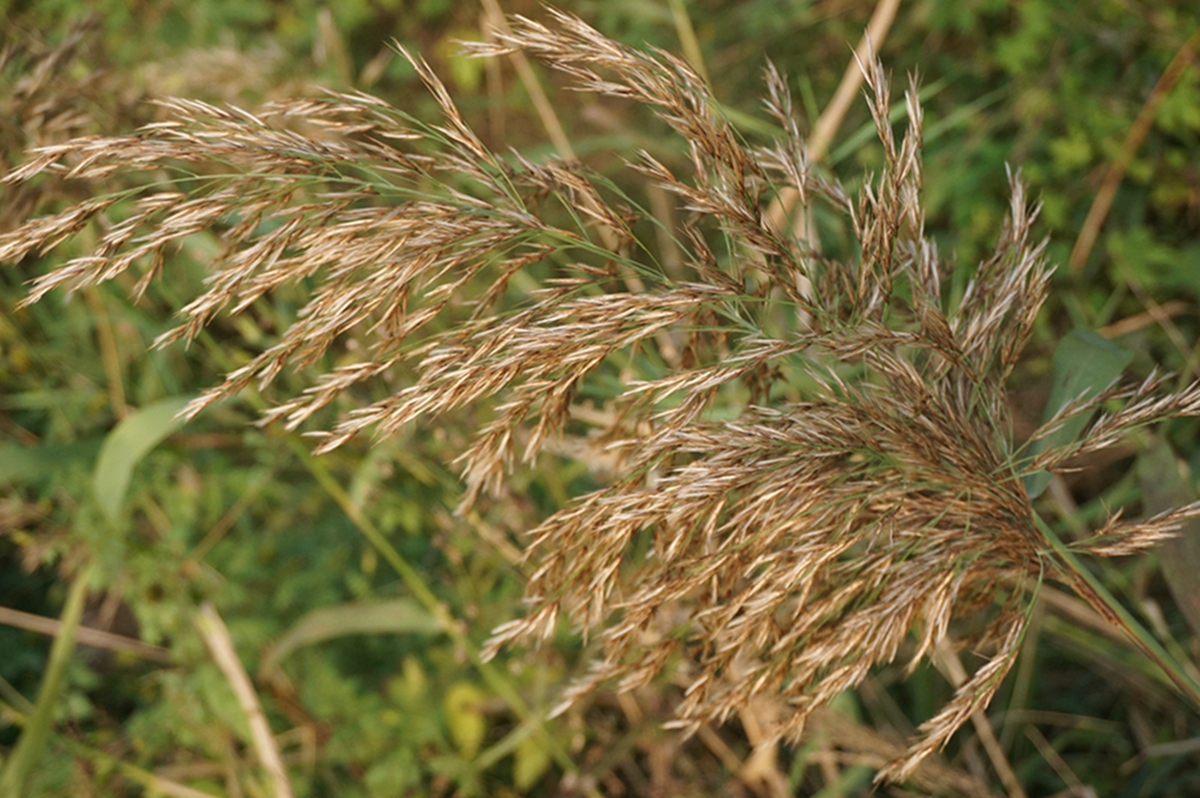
{"x":1093,"y":591}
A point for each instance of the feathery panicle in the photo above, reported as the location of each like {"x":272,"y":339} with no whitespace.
{"x":1121,"y":539}
{"x":779,"y":547}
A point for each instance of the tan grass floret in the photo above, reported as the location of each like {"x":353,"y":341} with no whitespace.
{"x":864,"y":490}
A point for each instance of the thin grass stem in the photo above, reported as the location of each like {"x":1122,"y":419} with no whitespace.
{"x":1092,"y":590}
{"x":28,"y":751}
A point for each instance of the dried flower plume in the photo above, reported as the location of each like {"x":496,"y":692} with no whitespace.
{"x":816,"y":468}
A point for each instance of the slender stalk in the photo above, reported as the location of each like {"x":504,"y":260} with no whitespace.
{"x":412,"y":579}
{"x":826,"y":126}
{"x":408,"y":574}
{"x":1091,"y":590}
{"x":28,"y":751}
{"x":154,"y":783}
{"x":220,"y":644}
{"x":687,"y":38}
{"x":983,"y":726}
{"x":1103,"y":200}
{"x":537,"y":95}
{"x":109,"y":353}
{"x":85,"y":635}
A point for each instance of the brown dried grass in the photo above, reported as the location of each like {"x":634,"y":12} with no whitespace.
{"x":784,"y":551}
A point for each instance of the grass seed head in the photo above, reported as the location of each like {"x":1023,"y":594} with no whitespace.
{"x":815,"y":474}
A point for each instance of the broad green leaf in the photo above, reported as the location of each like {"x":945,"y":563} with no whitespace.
{"x":396,"y":772}
{"x":410,"y":687}
{"x":1164,"y":486}
{"x":359,"y":618}
{"x":130,"y":441}
{"x":466,"y":721}
{"x":1084,"y":364}
{"x":530,"y":761}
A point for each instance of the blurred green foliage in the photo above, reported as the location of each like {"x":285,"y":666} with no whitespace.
{"x":227,"y":512}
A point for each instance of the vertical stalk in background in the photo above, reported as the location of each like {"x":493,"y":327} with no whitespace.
{"x":217,"y":638}
{"x":687,"y":38}
{"x":154,"y":783}
{"x":411,"y":577}
{"x":28,"y":751}
{"x":1129,"y":147}
{"x":957,"y":675}
{"x":826,"y":126}
{"x":537,"y":95}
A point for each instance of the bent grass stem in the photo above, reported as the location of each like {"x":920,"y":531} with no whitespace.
{"x":1092,"y":590}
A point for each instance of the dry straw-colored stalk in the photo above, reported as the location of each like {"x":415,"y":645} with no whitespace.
{"x":826,"y":482}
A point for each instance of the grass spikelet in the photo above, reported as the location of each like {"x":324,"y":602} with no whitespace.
{"x":816,"y":468}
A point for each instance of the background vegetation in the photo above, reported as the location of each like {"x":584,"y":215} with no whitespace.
{"x":365,"y":692}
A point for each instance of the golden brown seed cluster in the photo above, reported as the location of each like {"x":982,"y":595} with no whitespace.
{"x":815,"y":468}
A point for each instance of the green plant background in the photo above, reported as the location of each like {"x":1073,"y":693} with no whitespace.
{"x":382,"y":704}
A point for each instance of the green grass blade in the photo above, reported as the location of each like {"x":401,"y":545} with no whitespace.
{"x":1164,"y":487}
{"x":130,"y":441}
{"x":1084,"y":364}
{"x":375,"y":617}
